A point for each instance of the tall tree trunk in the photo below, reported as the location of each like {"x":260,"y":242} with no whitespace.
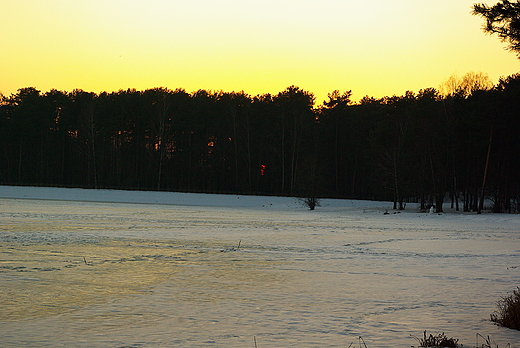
{"x":20,"y":157}
{"x":235,"y":145}
{"x":283,"y":153}
{"x":439,"y":200}
{"x":481,"y":204}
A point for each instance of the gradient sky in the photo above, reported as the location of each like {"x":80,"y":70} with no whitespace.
{"x":372,"y":47}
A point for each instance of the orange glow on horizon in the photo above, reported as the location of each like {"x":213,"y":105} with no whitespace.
{"x":374,"y":47}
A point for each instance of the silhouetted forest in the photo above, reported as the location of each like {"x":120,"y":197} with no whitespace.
{"x":425,"y":147}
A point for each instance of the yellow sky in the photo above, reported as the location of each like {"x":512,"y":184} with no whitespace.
{"x":372,"y":47}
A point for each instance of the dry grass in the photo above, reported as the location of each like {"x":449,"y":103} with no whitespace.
{"x":440,"y":340}
{"x":487,"y":342}
{"x":508,"y":312}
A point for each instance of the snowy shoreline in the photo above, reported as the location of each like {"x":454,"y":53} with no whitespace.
{"x":173,"y":198}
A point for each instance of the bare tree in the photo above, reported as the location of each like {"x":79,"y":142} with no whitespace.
{"x":466,"y":85}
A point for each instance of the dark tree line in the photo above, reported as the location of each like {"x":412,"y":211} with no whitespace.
{"x":422,"y":147}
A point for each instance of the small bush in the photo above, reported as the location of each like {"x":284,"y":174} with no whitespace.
{"x":508,"y":313}
{"x":439,"y":341}
{"x":310,"y":202}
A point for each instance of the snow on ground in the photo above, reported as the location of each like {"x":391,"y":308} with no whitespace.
{"x":108,"y":268}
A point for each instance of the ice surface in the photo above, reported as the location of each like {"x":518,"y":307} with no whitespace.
{"x":94,"y":268}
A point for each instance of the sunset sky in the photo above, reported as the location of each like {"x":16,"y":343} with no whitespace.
{"x":372,"y":47}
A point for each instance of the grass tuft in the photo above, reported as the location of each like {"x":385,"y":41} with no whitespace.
{"x":438,"y":341}
{"x":508,"y":312}
{"x":487,"y":343}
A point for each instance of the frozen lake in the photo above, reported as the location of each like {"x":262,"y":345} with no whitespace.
{"x":167,"y":271}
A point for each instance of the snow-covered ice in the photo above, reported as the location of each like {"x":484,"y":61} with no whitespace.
{"x":107,"y":268}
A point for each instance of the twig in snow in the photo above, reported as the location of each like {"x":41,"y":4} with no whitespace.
{"x":487,"y":342}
